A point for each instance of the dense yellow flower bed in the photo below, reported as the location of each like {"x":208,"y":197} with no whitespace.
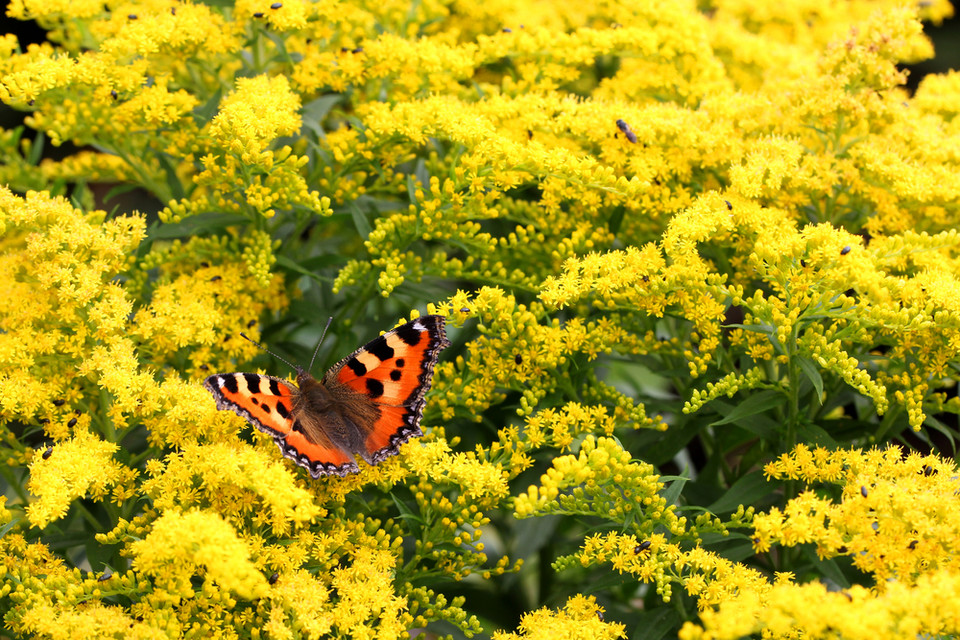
{"x":698,"y":263}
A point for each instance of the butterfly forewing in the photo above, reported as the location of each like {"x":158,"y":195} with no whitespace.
{"x":395,"y":372}
{"x":396,"y":368}
{"x":266,"y":402}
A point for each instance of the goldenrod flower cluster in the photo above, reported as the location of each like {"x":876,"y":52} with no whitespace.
{"x":700,"y":273}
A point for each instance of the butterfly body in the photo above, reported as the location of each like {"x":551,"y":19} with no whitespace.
{"x":366,"y":405}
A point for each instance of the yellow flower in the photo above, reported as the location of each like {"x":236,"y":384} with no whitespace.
{"x":236,"y":482}
{"x":261,"y":109}
{"x":80,"y":467}
{"x":580,"y":618}
{"x":181,"y":545}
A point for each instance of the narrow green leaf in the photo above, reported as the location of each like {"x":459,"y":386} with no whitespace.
{"x":119,"y":190}
{"x":5,"y":529}
{"x":813,"y":374}
{"x":746,"y":490}
{"x":205,"y":112}
{"x":363,"y":226}
{"x":759,"y":402}
{"x":421,"y":172}
{"x":760,"y":328}
{"x":616,"y":219}
{"x":531,"y":534}
{"x":288,"y":264}
{"x":816,"y":435}
{"x":36,"y":149}
{"x":315,"y":111}
{"x":406,"y":513}
{"x":204,"y":223}
{"x":828,"y":566}
{"x":657,"y":623}
{"x":174,"y":186}
{"x":671,"y":492}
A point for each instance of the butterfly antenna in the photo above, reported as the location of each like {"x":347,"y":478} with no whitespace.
{"x":317,"y":350}
{"x":246,"y":337}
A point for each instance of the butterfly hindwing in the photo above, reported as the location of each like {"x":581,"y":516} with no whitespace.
{"x":393,"y":372}
{"x":319,"y":458}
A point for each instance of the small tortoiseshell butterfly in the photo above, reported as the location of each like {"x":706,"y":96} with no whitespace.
{"x":368,"y":404}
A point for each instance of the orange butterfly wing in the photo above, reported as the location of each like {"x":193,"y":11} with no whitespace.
{"x":268,"y":404}
{"x":393,"y":372}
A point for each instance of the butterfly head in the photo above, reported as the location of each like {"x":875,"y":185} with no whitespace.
{"x":303,"y":375}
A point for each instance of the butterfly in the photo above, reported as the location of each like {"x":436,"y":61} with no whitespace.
{"x":366,"y":405}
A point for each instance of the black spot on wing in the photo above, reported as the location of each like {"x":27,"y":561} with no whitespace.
{"x":229,"y":383}
{"x":395,"y":375}
{"x":282,"y":410}
{"x":298,"y":427}
{"x":380,"y":349}
{"x":253,"y":382}
{"x":357,"y":367}
{"x":375,"y":387}
{"x":274,"y":387}
{"x":400,"y":363}
{"x":409,"y":334}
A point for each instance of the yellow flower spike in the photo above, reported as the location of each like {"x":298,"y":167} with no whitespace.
{"x":237,"y":482}
{"x":80,"y":467}
{"x":812,"y":609}
{"x":181,"y":544}
{"x":240,"y":123}
{"x":889,"y":521}
{"x":593,"y":483}
{"x":580,"y":617}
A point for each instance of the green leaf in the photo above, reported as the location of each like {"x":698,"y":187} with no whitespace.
{"x":205,"y":112}
{"x":932,"y":422}
{"x":288,"y":264}
{"x":315,"y":111}
{"x":816,"y":435}
{"x":532,"y":534}
{"x":322,"y":261}
{"x":174,"y":185}
{"x":746,"y":491}
{"x":656,"y":623}
{"x":735,"y":547}
{"x":658,"y":447}
{"x":616,"y":219}
{"x":406,"y":513}
{"x":828,"y":567}
{"x":755,"y":403}
{"x":119,"y":190}
{"x":411,"y":188}
{"x":36,"y":149}
{"x":759,"y":328}
{"x":363,"y":226}
{"x":280,"y":42}
{"x":202,"y":224}
{"x":813,"y":373}
{"x":5,"y":529}
{"x":422,"y":173}
{"x":671,"y":493}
